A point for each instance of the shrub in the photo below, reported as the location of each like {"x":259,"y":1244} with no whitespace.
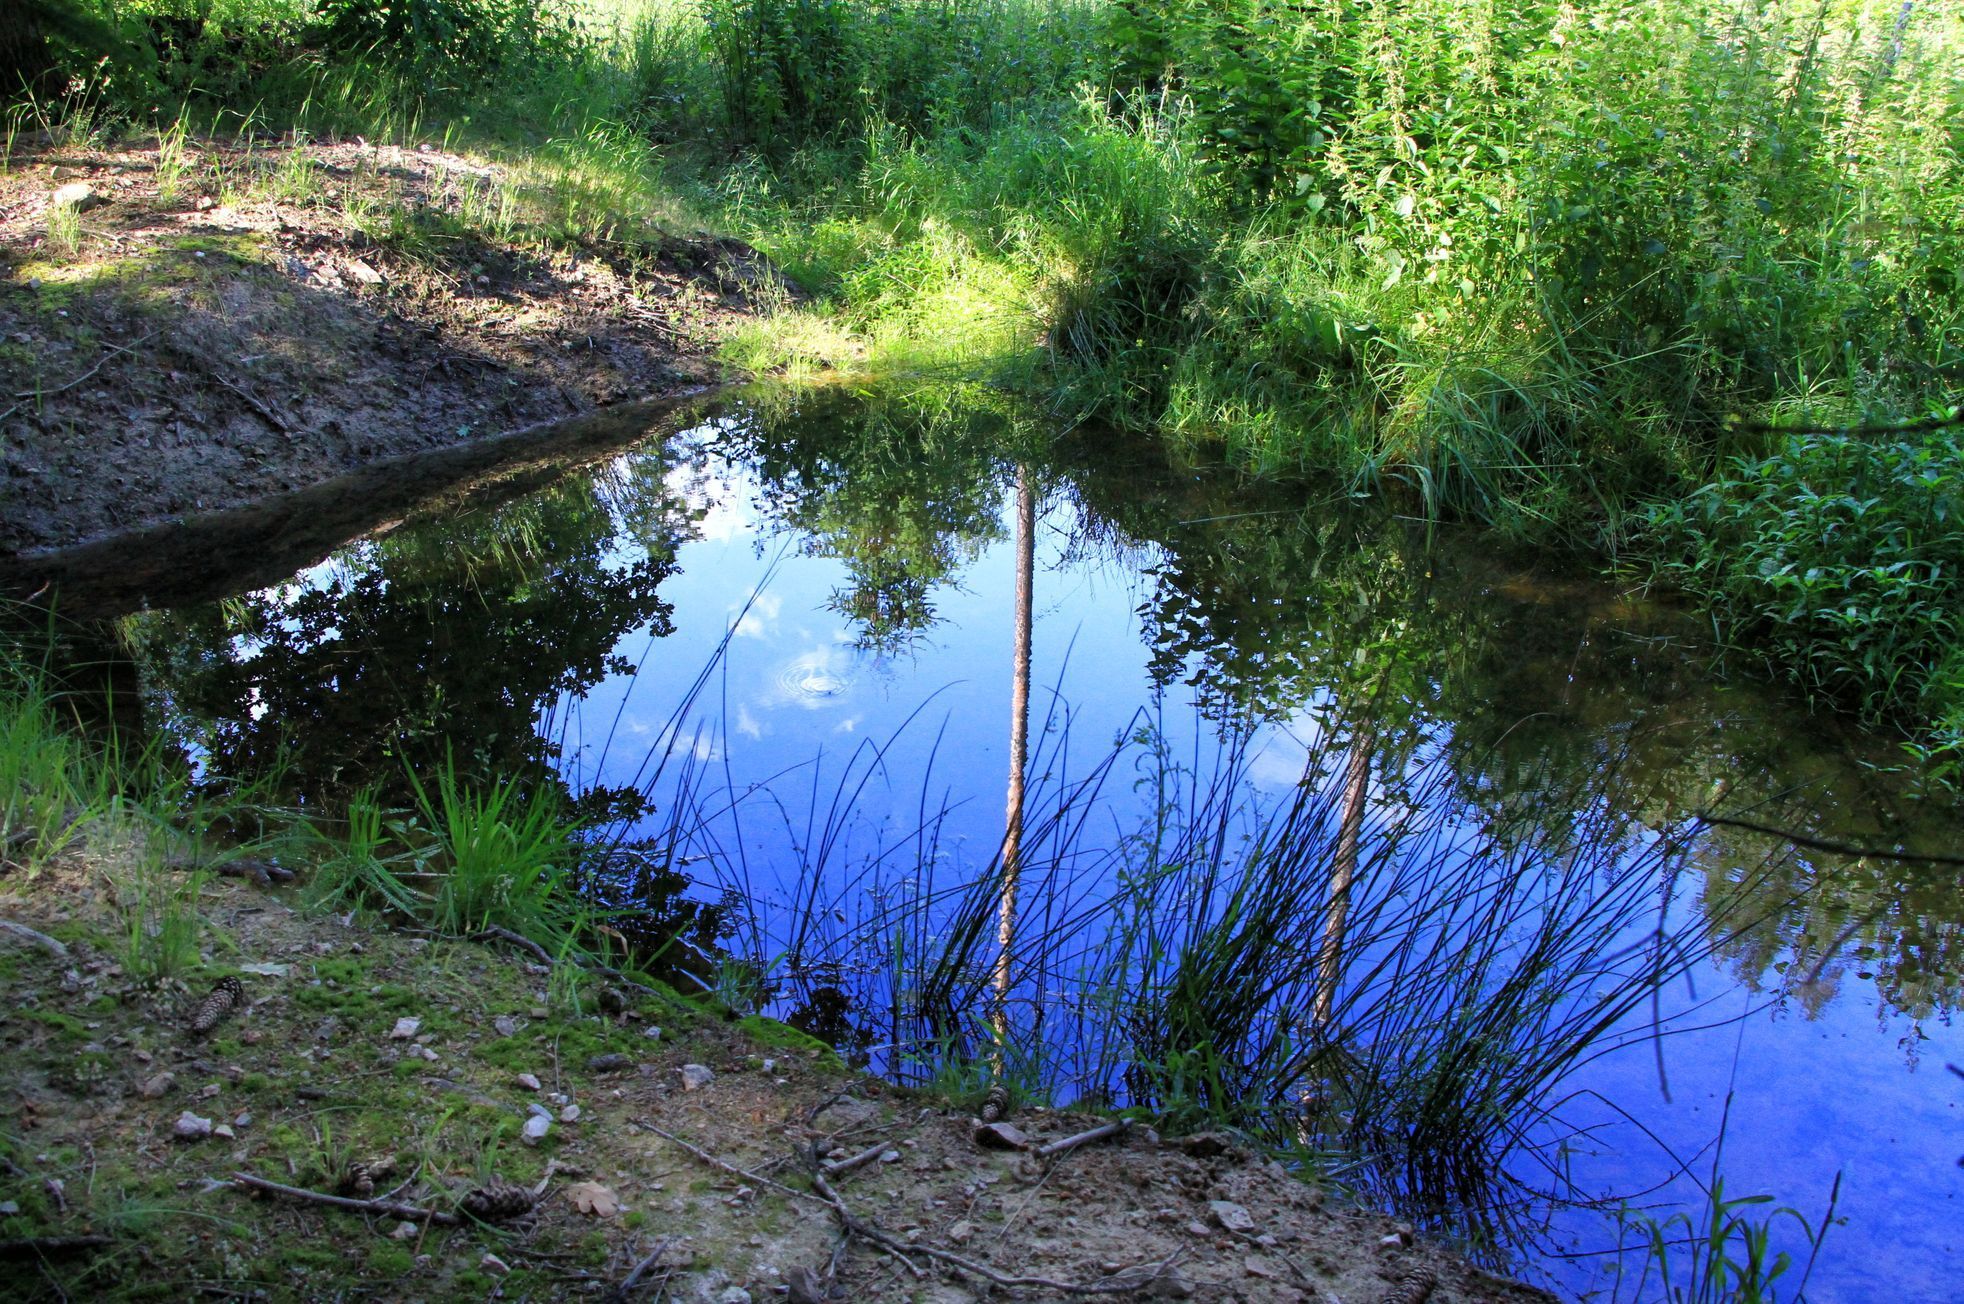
{"x":1840,"y":559}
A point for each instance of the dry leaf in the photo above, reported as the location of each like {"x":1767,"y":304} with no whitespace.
{"x":593,"y":1198}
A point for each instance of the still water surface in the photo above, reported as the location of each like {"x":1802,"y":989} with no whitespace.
{"x":782,"y":640}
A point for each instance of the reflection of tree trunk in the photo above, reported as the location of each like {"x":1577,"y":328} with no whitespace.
{"x":1356,"y":782}
{"x":1019,"y":745}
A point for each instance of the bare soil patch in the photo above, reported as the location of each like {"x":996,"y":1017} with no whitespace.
{"x":687,"y":1154}
{"x":218,"y":321}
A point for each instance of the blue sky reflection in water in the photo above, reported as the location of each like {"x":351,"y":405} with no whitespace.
{"x":853,"y":561}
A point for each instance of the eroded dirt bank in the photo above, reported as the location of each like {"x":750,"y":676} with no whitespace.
{"x":688,"y":1153}
{"x":190,"y":328}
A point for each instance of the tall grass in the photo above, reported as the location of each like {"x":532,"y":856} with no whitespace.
{"x":1372,"y":975}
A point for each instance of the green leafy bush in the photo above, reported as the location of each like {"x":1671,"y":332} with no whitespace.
{"x":462,"y":42}
{"x":1840,"y":560}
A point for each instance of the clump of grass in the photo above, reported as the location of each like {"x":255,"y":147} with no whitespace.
{"x":501,"y":857}
{"x":64,"y":229}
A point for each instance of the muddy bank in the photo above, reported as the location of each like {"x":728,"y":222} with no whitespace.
{"x":197,"y":327}
{"x":215,"y":554}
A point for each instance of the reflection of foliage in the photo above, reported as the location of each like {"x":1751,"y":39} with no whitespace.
{"x":903,"y":493}
{"x":447,"y":639}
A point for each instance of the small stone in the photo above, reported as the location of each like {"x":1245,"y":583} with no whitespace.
{"x":570,"y":1114}
{"x":189,"y":1127}
{"x":733,"y":1295}
{"x":1198,"y":1229}
{"x":8,"y":1208}
{"x":506,"y":1025}
{"x":889,"y":1156}
{"x":535,"y":1110}
{"x":405,"y":1231}
{"x":224,"y":1130}
{"x":962,"y":1232}
{"x":1000,"y":1136}
{"x":652,"y":1032}
{"x":538,"y":1012}
{"x":494,"y":1265}
{"x":696,"y":1076}
{"x":78,"y":195}
{"x":1391,"y":1241}
{"x":405,"y":1029}
{"x":242,"y":1120}
{"x":1232,"y":1216}
{"x":607,"y":1063}
{"x":528,"y":1081}
{"x":536,"y":1129}
{"x":157,"y":1086}
{"x":1257,"y":1266}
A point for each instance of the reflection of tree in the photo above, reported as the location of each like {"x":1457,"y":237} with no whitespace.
{"x":903,"y":493}
{"x":443,"y":640}
{"x":1019,"y":748}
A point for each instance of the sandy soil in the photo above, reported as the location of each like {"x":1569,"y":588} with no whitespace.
{"x":253,"y":318}
{"x":692,"y":1152}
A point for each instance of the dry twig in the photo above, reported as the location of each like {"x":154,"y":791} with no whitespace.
{"x":1070,"y":1143}
{"x":410,"y":1212}
{"x":633,"y":1279}
{"x":42,"y":940}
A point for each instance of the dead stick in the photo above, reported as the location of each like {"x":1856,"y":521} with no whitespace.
{"x":408,"y":1211}
{"x":853,"y":1225}
{"x":860,"y":1160}
{"x":727,"y":1167}
{"x":626,"y":1288}
{"x":1071,"y":1143}
{"x":29,"y":1247}
{"x":42,"y":940}
{"x":272,"y":418}
{"x":108,"y":353}
{"x":900,"y":1249}
{"x":518,"y":940}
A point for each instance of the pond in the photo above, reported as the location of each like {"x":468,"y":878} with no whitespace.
{"x":1374,"y":840}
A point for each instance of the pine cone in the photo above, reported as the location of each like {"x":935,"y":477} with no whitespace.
{"x":225,"y":997}
{"x":362,"y":1175}
{"x":498,"y":1200}
{"x":1415,"y":1287}
{"x":995,"y":1105}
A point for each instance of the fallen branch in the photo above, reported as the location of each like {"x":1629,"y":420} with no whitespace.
{"x":1071,"y":1143}
{"x":253,"y":401}
{"x":726,"y":1166}
{"x":900,"y":1249}
{"x":409,"y":1212}
{"x":1838,"y":848}
{"x":42,"y":940}
{"x":519,"y":940}
{"x":32,"y":1247}
{"x":107,"y":353}
{"x":633,"y":1279}
{"x":1127,"y":1282}
{"x":860,"y":1160}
